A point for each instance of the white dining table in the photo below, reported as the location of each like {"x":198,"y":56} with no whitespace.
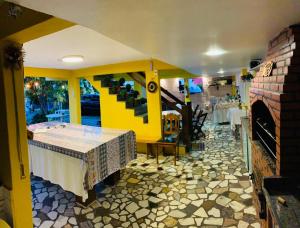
{"x":77,"y":157}
{"x":234,"y":116}
{"x":220,"y":112}
{"x":59,"y":115}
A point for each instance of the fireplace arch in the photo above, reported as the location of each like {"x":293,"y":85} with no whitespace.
{"x":263,"y":127}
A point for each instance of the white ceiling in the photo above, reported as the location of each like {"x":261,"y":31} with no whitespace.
{"x":180,"y":31}
{"x":95,"y":48}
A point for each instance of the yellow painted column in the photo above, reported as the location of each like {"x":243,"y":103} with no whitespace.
{"x":154,"y":105}
{"x":13,"y":146}
{"x":233,"y":86}
{"x":244,"y":71}
{"x":74,"y":100}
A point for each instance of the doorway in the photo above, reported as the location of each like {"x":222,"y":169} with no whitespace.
{"x":90,"y":104}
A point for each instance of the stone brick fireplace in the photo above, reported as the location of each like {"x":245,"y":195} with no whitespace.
{"x":275,"y":112}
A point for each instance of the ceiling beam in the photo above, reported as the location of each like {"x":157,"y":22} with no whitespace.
{"x":27,"y":24}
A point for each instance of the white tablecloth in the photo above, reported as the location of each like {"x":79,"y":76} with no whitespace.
{"x":220,"y":116}
{"x":76,"y":156}
{"x":60,"y":169}
{"x":220,"y":112}
{"x":164,"y":113}
{"x":234,"y":116}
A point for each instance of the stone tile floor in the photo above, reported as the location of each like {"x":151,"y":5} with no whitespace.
{"x":208,"y":188}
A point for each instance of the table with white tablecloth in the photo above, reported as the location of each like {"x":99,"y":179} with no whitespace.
{"x":234,"y":116}
{"x":220,"y":111}
{"x":77,"y":157}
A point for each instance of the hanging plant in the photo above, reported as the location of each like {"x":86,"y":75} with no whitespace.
{"x":13,"y":60}
{"x":247,"y":77}
{"x":13,"y":57}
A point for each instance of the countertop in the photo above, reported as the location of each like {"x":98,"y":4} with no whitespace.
{"x":287,"y":216}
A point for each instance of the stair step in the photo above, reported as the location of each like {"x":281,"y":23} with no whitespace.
{"x":140,"y":110}
{"x":110,"y":91}
{"x":103,"y":78}
{"x":120,"y":99}
{"x":98,"y":77}
{"x":144,"y":116}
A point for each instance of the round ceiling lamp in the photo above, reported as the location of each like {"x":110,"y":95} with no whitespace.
{"x":221,"y":71}
{"x":215,"y":51}
{"x":72,"y":59}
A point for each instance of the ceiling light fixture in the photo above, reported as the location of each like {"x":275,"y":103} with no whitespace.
{"x":72,"y":59}
{"x":221,"y":71}
{"x":215,"y":51}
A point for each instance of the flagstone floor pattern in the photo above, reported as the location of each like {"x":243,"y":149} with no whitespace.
{"x":208,"y":188}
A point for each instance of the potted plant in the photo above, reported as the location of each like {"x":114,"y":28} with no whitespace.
{"x":121,"y":82}
{"x":106,"y":81}
{"x":128,"y":87}
{"x":130,"y":102}
{"x":143,"y":100}
{"x":137,"y":102}
{"x":247,"y":77}
{"x":122,"y":95}
{"x":136,"y":94}
{"x":115,"y":88}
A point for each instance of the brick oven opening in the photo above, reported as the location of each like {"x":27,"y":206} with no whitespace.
{"x":263,"y":127}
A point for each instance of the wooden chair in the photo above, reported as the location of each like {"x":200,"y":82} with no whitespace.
{"x":170,"y":135}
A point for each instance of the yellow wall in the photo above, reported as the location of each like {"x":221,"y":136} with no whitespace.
{"x":28,"y":26}
{"x":46,"y":72}
{"x":175,"y":73}
{"x":73,"y":87}
{"x":134,"y":66}
{"x":233,"y":86}
{"x":115,"y":115}
{"x":244,"y":71}
{"x":10,"y":169}
{"x":43,"y":28}
{"x":74,"y":100}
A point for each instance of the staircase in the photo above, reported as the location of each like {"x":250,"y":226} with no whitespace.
{"x":170,"y":101}
{"x":139,"y":106}
{"x":137,"y":114}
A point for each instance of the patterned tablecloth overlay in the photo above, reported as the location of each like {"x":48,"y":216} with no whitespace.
{"x":104,"y":150}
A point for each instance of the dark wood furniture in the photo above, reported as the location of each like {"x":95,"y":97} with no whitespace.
{"x":170,"y":135}
{"x":195,"y":111}
{"x":198,"y":124}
